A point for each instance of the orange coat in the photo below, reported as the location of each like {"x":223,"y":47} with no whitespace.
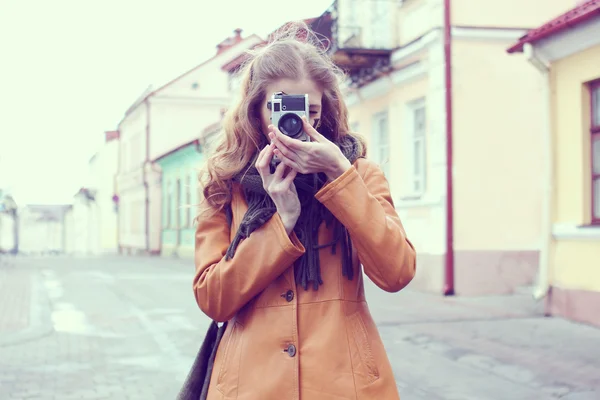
{"x":285,"y":343}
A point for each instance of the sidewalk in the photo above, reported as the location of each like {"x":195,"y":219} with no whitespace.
{"x":24,"y":308}
{"x":502,"y":338}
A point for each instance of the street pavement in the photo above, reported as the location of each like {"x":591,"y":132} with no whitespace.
{"x":128,"y":328}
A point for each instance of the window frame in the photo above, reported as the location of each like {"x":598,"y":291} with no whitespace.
{"x":377,"y":143}
{"x":178,"y":200}
{"x":411,"y":176}
{"x":594,"y":136}
{"x":188,"y":201}
{"x":169,"y":201}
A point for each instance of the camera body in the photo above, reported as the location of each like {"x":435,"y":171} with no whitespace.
{"x":286,"y":113}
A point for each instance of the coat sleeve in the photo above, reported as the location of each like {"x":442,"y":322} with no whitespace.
{"x":364,"y":206}
{"x":222,"y":287}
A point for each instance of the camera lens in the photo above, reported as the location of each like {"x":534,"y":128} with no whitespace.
{"x":290,"y":125}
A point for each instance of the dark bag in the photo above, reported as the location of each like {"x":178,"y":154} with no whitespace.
{"x":198,"y":379}
{"x":197,"y":382}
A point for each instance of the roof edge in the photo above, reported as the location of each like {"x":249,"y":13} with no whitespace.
{"x":569,"y":19}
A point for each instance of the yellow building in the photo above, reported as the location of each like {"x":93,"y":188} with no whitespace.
{"x":566,"y":51}
{"x":457,"y":126}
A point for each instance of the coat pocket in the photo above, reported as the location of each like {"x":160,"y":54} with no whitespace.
{"x":230,"y":363}
{"x":363,"y":347}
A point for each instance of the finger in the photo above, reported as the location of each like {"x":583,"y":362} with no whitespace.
{"x":293,"y":144}
{"x":312,"y":132}
{"x":285,"y":150}
{"x":278,"y":175}
{"x":289,"y":162}
{"x":290,"y":177}
{"x":261,"y":154}
{"x":262,"y":164}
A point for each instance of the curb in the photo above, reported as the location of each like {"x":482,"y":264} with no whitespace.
{"x":40,"y":321}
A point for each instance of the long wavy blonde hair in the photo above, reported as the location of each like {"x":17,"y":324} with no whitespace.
{"x":292,"y":52}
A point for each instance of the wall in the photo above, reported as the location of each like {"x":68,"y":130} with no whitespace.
{"x":415,"y":18}
{"x":568,"y":77}
{"x":366,"y":24}
{"x":576,"y":258}
{"x":174,"y":122}
{"x":418,"y":78}
{"x":132,"y":140}
{"x":132,"y":197}
{"x":498,"y":149}
{"x":70,"y":234}
{"x":508,"y":13}
{"x":102,"y":179}
{"x":7,"y":237}
{"x":39,"y":236}
{"x":183,"y":166}
{"x":174,"y":114}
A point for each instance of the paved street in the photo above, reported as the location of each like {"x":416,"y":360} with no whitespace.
{"x":128,"y":328}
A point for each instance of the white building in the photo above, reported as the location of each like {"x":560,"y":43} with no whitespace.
{"x":102,"y":175}
{"x":82,"y":224}
{"x":91,"y":222}
{"x":42,"y":229}
{"x":158,"y":121}
{"x":8,"y":231}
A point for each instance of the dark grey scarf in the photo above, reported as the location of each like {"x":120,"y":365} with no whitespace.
{"x":261,"y":208}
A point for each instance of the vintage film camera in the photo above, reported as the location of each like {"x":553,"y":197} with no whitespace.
{"x":286,"y":113}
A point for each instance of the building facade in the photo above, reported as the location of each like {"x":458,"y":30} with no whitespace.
{"x":42,"y":228}
{"x":9,"y":232}
{"x":452,"y":121}
{"x":566,"y":54}
{"x":102,"y":174}
{"x":158,"y":121}
{"x":180,"y":198}
{"x":82,"y":224}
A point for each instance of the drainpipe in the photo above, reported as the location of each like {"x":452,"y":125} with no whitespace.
{"x":449,"y":259}
{"x":146,"y":185}
{"x":543,"y":279}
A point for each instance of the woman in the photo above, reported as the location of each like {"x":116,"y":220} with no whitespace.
{"x":283,"y":266}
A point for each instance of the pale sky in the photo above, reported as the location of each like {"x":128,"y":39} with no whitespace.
{"x":70,"y":68}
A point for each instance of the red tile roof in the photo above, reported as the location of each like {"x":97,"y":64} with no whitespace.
{"x":577,"y":15}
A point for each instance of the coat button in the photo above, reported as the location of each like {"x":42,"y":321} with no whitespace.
{"x":289,"y":295}
{"x":291,"y":350}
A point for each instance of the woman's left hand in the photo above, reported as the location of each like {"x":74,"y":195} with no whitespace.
{"x":318,"y":155}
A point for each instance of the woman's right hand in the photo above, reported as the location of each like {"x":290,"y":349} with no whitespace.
{"x":280,"y":187}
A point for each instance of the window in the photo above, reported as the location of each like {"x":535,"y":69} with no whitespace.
{"x":419,"y":167}
{"x":188,"y":201}
{"x":381,"y":143}
{"x":416,"y":148}
{"x":595,"y":149}
{"x":178,"y":204}
{"x":169,"y":196}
